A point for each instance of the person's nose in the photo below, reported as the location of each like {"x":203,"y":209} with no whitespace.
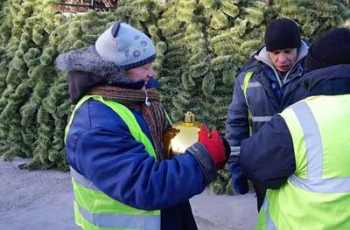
{"x":282,"y":58}
{"x":151,"y":72}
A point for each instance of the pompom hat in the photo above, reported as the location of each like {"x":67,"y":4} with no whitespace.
{"x":125,"y":46}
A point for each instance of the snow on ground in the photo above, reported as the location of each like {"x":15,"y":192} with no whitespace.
{"x":38,"y":200}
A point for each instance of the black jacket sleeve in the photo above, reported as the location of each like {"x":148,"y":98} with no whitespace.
{"x":267,"y":157}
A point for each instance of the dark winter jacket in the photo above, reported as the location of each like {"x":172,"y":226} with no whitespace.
{"x":100,"y":147}
{"x":267,"y":157}
{"x":266,"y":92}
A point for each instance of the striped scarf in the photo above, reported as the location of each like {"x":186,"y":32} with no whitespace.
{"x":135,"y":99}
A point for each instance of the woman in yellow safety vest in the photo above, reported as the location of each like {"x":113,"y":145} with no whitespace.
{"x":114,"y":139}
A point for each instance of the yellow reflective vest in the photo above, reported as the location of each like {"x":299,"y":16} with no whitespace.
{"x":93,"y":209}
{"x":246,"y":81}
{"x":317,"y":195}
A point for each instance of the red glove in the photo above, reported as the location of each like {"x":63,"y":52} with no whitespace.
{"x":214,"y":144}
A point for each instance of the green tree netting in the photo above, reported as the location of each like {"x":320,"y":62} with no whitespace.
{"x":201,"y":46}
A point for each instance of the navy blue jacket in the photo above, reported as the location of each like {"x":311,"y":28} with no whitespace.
{"x":267,"y":157}
{"x":100,"y":147}
{"x":265,"y":94}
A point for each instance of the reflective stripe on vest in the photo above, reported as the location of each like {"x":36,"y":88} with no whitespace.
{"x":246,"y":85}
{"x":261,"y":118}
{"x":321,"y":181}
{"x":269,"y":222}
{"x":93,"y":209}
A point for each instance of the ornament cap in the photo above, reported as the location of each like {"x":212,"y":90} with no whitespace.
{"x":189,"y":117}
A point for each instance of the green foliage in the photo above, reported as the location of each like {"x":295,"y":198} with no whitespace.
{"x":201,"y":46}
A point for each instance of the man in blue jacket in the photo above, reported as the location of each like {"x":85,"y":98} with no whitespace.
{"x":121,"y":179}
{"x":302,"y":155}
{"x":264,"y":84}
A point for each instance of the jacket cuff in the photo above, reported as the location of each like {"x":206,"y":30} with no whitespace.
{"x":204,"y":160}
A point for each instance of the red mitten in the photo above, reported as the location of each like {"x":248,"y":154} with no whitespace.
{"x":214,"y":144}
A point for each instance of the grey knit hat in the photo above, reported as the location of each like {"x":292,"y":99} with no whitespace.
{"x":125,"y":46}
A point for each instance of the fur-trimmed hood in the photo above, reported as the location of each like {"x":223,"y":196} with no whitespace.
{"x":87,"y":69}
{"x":91,"y":62}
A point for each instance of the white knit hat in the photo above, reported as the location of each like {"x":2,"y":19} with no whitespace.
{"x":125,"y":46}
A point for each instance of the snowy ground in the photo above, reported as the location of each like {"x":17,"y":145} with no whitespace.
{"x":38,"y":200}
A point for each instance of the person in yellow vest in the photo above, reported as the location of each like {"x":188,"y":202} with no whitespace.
{"x":114,"y":140}
{"x":302,"y":154}
{"x":262,"y":88}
